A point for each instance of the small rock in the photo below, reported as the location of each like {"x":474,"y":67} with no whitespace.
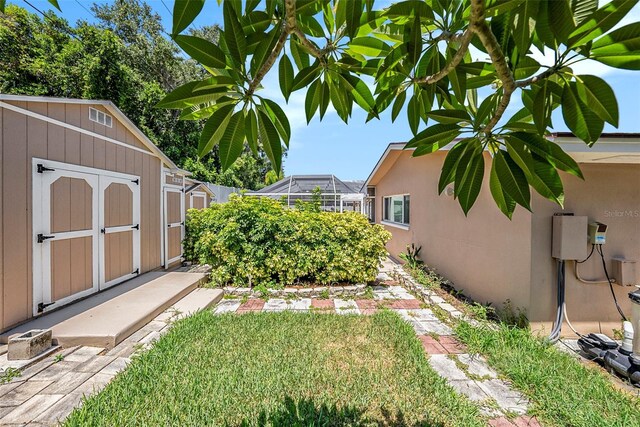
{"x":350,"y":290}
{"x":336,"y":290}
{"x":305,"y":292}
{"x":242,"y":291}
{"x":229,"y":290}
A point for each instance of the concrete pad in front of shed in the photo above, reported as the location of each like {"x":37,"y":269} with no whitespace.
{"x":109,"y":323}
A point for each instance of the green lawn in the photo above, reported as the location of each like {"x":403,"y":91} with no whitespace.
{"x":563,"y":391}
{"x":283,"y":369}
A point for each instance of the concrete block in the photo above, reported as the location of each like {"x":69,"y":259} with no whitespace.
{"x":446,"y":367}
{"x":29,"y":345}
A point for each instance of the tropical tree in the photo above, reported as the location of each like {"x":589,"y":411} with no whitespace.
{"x":420,"y":57}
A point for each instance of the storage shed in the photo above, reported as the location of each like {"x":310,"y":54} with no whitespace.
{"x":87,"y":202}
{"x":197,"y":194}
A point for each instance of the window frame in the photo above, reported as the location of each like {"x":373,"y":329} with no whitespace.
{"x":388,"y":214}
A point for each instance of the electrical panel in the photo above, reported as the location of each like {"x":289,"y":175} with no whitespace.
{"x":597,"y":233}
{"x":624,"y":271}
{"x":569,"y":240}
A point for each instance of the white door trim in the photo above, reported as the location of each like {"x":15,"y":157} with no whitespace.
{"x":41,"y":207}
{"x":133,"y":183}
{"x":166,"y":225}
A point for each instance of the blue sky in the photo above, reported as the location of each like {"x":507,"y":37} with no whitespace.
{"x":351,"y":151}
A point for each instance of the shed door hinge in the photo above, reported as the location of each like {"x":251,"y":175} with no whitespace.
{"x":136,"y":227}
{"x":43,"y":169}
{"x":42,"y":238}
{"x":136,"y":181}
{"x":137,"y":271}
{"x":42,"y":306}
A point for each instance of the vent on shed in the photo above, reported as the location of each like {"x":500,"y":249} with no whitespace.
{"x":100,"y":117}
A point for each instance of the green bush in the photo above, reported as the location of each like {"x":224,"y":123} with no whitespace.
{"x":258,"y":241}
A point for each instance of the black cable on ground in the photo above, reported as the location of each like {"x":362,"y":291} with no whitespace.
{"x":606,"y":273}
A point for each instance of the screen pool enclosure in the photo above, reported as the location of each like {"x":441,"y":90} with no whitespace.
{"x":335,"y":195}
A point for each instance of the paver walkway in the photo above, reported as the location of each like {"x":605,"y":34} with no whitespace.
{"x":45,"y":393}
{"x":468,"y":374}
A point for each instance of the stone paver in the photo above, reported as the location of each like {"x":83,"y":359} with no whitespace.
{"x":26,"y":412}
{"x":346,"y":306}
{"x":227,"y":306}
{"x":323,"y":304}
{"x":253,"y":304}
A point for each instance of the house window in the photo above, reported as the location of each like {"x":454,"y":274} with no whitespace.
{"x":396,"y":209}
{"x":100,"y":117}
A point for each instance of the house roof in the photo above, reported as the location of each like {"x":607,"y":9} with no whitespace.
{"x":302,"y":184}
{"x":109,"y":106}
{"x":612,"y":147}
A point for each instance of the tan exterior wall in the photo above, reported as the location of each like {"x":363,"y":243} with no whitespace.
{"x":477,"y":253}
{"x":610,"y":194}
{"x":493,"y":259}
{"x":21,"y":139}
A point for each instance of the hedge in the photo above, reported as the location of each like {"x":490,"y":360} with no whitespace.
{"x":251,"y":241}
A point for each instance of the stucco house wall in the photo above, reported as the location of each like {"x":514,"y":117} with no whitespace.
{"x":493,"y":259}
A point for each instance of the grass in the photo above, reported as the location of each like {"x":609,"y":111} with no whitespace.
{"x":563,"y":391}
{"x":281,"y":369}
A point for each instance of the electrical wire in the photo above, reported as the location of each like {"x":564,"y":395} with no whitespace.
{"x":587,"y":258}
{"x":554,"y":336}
{"x":566,"y":318}
{"x":606,"y":273}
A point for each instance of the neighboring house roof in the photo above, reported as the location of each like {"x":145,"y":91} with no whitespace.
{"x":302,"y":184}
{"x":614,"y":147}
{"x":110,"y":106}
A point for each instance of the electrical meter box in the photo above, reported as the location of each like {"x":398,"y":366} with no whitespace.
{"x":624,"y":271}
{"x":569,"y":237}
{"x":597,"y":233}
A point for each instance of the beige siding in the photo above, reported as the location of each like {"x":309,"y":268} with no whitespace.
{"x":118,"y":205}
{"x":71,"y":266}
{"x":175,"y":240}
{"x":31,"y":137}
{"x":71,"y":205}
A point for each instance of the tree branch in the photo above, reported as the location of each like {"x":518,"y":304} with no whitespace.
{"x":312,"y":48}
{"x":268,"y":63}
{"x":289,"y":26}
{"x":479,"y":26}
{"x":543,"y":75}
{"x":465,"y":39}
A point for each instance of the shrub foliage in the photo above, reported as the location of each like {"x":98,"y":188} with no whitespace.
{"x":253,"y":241}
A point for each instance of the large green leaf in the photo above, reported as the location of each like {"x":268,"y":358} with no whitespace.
{"x":601,"y":21}
{"x":599,"y":97}
{"x":540,"y":110}
{"x":184,"y":12}
{"x":278,"y":118}
{"x":620,"y":48}
{"x":214,"y":129}
{"x":312,"y":99}
{"x":264,"y":49}
{"x":188,"y":94}
{"x":505,"y":202}
{"x":232,"y":140}
{"x":398,"y":104}
{"x":561,"y":18}
{"x":450,"y":164}
{"x":285,"y":75}
{"x":368,"y":46}
{"x":583,"y":9}
{"x":353,"y":11}
{"x":524,"y":24}
{"x":270,"y":141}
{"x":439,"y":135}
{"x":55,"y":4}
{"x":469,"y":176}
{"x":325,"y":97}
{"x":578,"y":116}
{"x":413,"y":114}
{"x":413,"y":41}
{"x":449,"y":116}
{"x":548,"y":150}
{"x":203,"y":51}
{"x":360,"y":92}
{"x":306,"y":76}
{"x":251,"y":130}
{"x":234,"y":34}
{"x":512,"y":179}
{"x":299,"y":55}
{"x":537,"y":170}
{"x":255,"y":22}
